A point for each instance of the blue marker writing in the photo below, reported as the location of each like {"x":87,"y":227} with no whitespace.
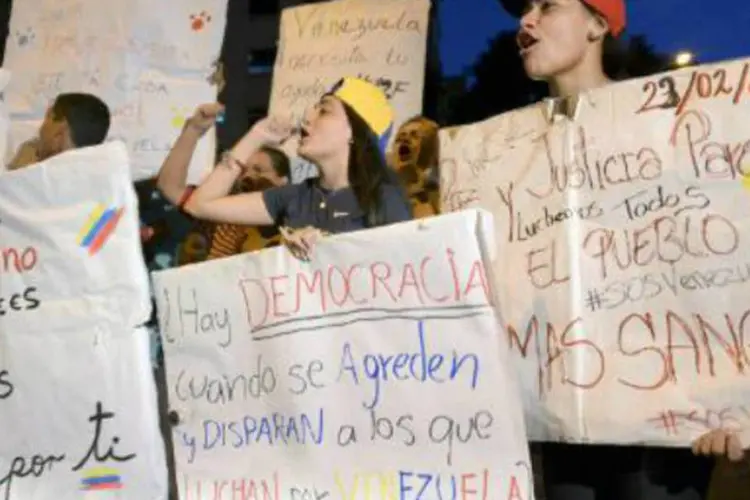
{"x":421,"y":365}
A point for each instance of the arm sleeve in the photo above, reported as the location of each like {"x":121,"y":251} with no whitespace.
{"x":396,"y":206}
{"x":277,"y":200}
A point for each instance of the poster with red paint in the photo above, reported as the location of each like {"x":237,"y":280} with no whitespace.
{"x":623,"y":230}
{"x":149,"y":62}
{"x":373,"y":371}
{"x":77,"y":397}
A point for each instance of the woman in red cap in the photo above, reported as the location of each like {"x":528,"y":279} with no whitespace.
{"x":564,"y":43}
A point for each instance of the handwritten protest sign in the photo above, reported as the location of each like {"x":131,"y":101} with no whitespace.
{"x":622,"y":273}
{"x":77,"y":396}
{"x":373,"y":371}
{"x":381,"y":41}
{"x":149,"y":62}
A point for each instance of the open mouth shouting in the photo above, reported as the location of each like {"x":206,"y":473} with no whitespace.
{"x":303,"y":134}
{"x":526,"y":42}
{"x":404,"y":151}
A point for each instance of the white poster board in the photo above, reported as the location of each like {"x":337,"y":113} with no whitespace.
{"x":372,"y":370}
{"x":77,"y":397}
{"x":382,"y":41}
{"x":623,"y":243}
{"x":148,"y":61}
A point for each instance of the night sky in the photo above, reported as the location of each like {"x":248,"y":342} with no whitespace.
{"x":671,"y":25}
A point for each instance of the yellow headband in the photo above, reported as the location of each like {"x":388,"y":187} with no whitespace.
{"x":370,"y":103}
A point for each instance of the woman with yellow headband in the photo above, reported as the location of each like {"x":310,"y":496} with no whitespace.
{"x":345,"y":134}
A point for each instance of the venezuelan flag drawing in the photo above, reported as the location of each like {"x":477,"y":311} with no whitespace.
{"x":99,"y":227}
{"x":101,"y":479}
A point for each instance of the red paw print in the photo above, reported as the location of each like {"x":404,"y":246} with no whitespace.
{"x":199,"y":21}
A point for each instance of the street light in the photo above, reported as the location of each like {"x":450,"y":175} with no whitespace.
{"x":683,"y":58}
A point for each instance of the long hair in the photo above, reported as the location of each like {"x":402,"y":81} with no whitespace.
{"x":368,"y":171}
{"x":279,"y":160}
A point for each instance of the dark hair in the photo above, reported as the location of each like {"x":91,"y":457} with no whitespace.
{"x":614,"y":58}
{"x":280,"y":165}
{"x":279,"y":160}
{"x":87,"y":117}
{"x":368,"y":171}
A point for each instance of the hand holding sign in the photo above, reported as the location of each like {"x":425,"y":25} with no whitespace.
{"x":301,"y":242}
{"x":721,"y":443}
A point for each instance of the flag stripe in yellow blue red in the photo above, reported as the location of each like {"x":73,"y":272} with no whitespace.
{"x":102,"y":478}
{"x":99,"y":226}
{"x":93,"y":217}
{"x":107,"y":229}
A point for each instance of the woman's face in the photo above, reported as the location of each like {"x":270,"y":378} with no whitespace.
{"x":260,"y":173}
{"x":554,"y":37}
{"x":326,"y":131}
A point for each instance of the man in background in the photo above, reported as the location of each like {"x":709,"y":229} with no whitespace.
{"x":74,"y":120}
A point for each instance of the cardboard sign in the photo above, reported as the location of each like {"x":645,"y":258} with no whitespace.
{"x":372,"y":370}
{"x":382,"y":41}
{"x":77,"y":394}
{"x":622,"y":269}
{"x":149,"y":63}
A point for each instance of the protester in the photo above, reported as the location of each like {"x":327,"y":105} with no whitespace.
{"x":415,"y":157}
{"x":563,"y":42}
{"x":74,"y":120}
{"x":345,"y":135}
{"x":172,"y":178}
{"x":269,"y":168}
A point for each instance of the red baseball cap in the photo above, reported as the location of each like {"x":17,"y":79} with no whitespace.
{"x":612,"y":10}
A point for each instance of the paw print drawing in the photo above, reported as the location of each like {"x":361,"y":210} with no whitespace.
{"x":25,"y":37}
{"x":199,"y":21}
{"x":179,"y":116}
